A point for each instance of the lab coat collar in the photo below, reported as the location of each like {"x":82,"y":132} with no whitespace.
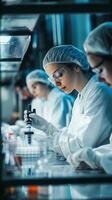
{"x":53,"y":92}
{"x":87,"y":86}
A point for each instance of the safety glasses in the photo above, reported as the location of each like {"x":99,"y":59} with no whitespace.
{"x":97,"y":68}
{"x":57,"y":75}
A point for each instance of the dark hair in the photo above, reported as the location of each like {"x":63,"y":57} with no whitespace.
{"x":20,"y":83}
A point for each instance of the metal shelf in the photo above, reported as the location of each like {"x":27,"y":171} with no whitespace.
{"x":48,"y":8}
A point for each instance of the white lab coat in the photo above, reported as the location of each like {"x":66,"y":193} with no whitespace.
{"x":97,"y":158}
{"x":94,"y":158}
{"x":38,"y":104}
{"x":58,"y":108}
{"x":91,"y":122}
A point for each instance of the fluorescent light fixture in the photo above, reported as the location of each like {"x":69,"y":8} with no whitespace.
{"x":5,"y":39}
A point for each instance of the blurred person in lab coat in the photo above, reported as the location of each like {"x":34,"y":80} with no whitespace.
{"x":50,"y":102}
{"x":24,"y":97}
{"x":91,"y":122}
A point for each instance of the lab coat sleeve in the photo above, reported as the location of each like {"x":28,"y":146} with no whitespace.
{"x":62,"y":111}
{"x":96,"y":122}
{"x":100,"y":158}
{"x":94,"y":126}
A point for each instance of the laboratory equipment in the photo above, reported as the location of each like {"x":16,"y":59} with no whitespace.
{"x":29,"y":131}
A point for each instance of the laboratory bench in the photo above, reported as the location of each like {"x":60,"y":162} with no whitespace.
{"x":56,"y":180}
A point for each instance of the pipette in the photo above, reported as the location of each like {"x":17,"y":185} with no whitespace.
{"x":29,"y":131}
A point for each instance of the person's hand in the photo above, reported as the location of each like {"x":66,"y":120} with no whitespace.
{"x":35,"y":120}
{"x":39,"y":123}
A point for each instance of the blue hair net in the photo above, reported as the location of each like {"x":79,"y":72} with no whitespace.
{"x":37,"y":76}
{"x":65,"y":54}
{"x":99,"y":41}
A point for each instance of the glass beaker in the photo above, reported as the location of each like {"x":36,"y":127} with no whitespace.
{"x":44,"y":155}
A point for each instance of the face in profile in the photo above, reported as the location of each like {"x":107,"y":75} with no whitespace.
{"x":37,"y":89}
{"x":102,"y":67}
{"x":66,"y":78}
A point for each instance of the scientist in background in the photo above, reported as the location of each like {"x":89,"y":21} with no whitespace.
{"x":50,"y":102}
{"x":98,"y":47}
{"x":91,"y":122}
